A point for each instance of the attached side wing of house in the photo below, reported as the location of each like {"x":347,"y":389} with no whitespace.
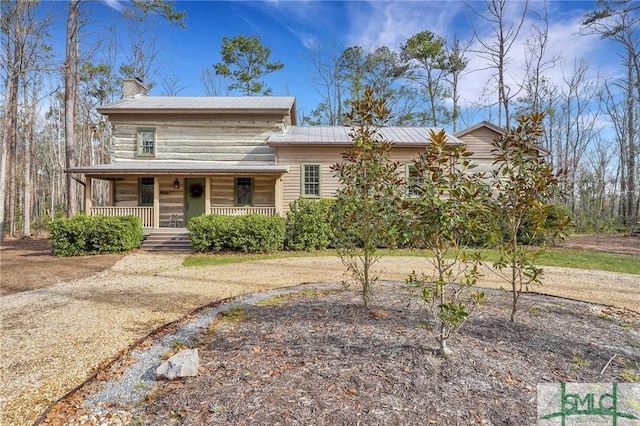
{"x":309,"y":153}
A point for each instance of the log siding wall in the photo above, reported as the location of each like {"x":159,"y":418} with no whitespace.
{"x":206,"y":140}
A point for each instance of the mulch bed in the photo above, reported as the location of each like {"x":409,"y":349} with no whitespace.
{"x":320,"y":358}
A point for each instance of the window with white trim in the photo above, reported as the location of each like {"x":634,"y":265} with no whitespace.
{"x":310,"y":175}
{"x":146,"y":139}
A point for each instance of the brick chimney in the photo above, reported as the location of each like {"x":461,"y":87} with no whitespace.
{"x":132,"y":87}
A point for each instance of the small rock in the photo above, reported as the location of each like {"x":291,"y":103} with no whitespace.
{"x":183,"y":364}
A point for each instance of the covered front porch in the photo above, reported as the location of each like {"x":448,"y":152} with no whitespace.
{"x":165,"y":197}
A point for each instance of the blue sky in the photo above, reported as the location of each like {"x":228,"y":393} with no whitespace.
{"x":289,"y":28}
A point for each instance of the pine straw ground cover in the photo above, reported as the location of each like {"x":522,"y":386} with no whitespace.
{"x":316,"y":356}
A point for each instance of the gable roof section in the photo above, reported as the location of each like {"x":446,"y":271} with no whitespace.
{"x":497,"y":129}
{"x":284,"y":105}
{"x":339,"y":136}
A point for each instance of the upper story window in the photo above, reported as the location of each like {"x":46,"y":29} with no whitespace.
{"x":146,"y":140}
{"x":244,"y":191}
{"x":310,"y":180}
{"x":146,"y":191}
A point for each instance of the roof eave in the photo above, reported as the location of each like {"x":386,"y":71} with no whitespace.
{"x":199,"y":111}
{"x":98,"y":171}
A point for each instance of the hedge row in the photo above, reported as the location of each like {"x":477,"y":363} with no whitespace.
{"x":308,"y":226}
{"x":83,"y":234}
{"x":250,"y":234}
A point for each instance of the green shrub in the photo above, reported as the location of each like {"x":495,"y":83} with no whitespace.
{"x":211,"y":232}
{"x":249,"y":234}
{"x":527,"y":235}
{"x":259,"y":234}
{"x":83,"y":234}
{"x":553,"y":216}
{"x":308,"y":224}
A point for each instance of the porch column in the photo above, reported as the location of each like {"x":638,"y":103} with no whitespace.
{"x":278,"y":197}
{"x":88,"y":190}
{"x":207,"y":195}
{"x":156,"y":202}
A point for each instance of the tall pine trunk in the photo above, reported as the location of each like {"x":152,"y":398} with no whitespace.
{"x":70,"y":103}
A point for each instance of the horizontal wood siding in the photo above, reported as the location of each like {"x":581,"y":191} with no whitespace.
{"x":222,"y":194}
{"x":326,"y":157}
{"x":207,"y":140}
{"x":223,"y":190}
{"x":171,"y":200}
{"x":480,"y":143}
{"x":126,"y":192}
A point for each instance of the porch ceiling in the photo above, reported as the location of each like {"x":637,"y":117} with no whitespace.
{"x":175,"y":168}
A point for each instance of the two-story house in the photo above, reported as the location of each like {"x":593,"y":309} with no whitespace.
{"x":176,"y":157}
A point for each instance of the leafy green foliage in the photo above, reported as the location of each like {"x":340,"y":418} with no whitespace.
{"x":83,"y":234}
{"x":308,"y":224}
{"x":430,"y":64}
{"x":162,"y":8}
{"x":245,"y":61}
{"x":524,"y":183}
{"x":248,"y":234}
{"x":369,"y":191}
{"x":447,"y":203}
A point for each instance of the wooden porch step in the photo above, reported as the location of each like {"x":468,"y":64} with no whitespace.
{"x":172,"y":240}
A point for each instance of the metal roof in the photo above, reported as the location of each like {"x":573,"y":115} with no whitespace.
{"x":200,"y":103}
{"x":339,"y":135}
{"x":174,"y":167}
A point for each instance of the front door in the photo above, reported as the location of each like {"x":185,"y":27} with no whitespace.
{"x":194,"y":197}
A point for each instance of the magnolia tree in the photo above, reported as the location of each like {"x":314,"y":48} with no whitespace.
{"x":445,"y":205}
{"x":369,"y":190}
{"x":524,"y":184}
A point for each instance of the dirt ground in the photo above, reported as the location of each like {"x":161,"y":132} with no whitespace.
{"x":28,"y":264}
{"x":604,"y":243}
{"x":322,"y":359}
{"x":123,"y":303}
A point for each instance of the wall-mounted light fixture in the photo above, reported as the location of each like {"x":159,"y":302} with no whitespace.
{"x":176,"y":184}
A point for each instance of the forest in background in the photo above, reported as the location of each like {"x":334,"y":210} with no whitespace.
{"x":591,"y":127}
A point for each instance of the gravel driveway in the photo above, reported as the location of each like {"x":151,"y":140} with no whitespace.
{"x":53,"y":338}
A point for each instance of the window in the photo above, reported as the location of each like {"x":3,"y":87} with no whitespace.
{"x":413,"y":180}
{"x":146,"y":191}
{"x":244,"y":191}
{"x":311,"y":180}
{"x":146,"y":142}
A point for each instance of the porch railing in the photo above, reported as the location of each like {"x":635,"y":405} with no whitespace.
{"x":144,"y":213}
{"x":238,"y":211}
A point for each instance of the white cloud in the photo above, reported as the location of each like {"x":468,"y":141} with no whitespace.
{"x":115,"y":4}
{"x":378,"y":23}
